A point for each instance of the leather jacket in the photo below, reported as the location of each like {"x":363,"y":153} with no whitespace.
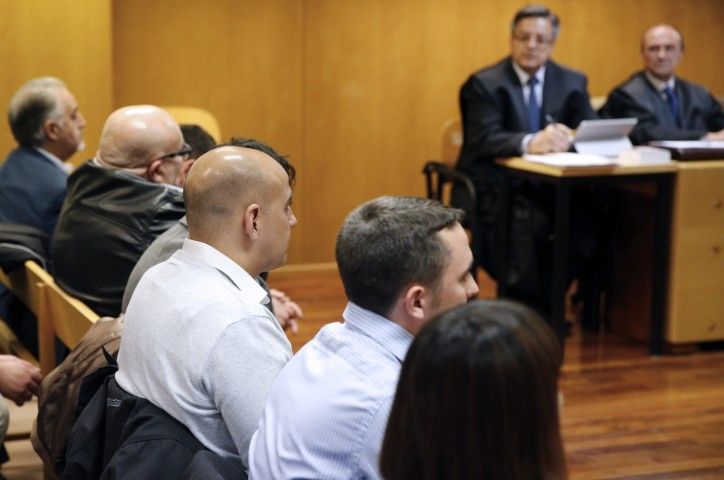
{"x":108,"y":220}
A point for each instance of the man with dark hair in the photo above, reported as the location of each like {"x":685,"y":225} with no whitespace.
{"x":526,"y":103}
{"x":667,"y":107}
{"x":48,"y":127}
{"x":118,"y":203}
{"x":197,"y":339}
{"x":402,"y":260}
{"x":198,"y":139}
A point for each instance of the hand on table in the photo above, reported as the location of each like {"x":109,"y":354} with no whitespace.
{"x":556,"y":137}
{"x":714,"y":135}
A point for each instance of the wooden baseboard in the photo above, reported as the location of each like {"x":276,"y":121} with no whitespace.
{"x":306,"y":267}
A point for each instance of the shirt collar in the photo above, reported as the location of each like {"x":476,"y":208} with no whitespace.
{"x":384,"y":331}
{"x":54,"y":160}
{"x":658,"y":84}
{"x":202,"y":252}
{"x":524,"y":76}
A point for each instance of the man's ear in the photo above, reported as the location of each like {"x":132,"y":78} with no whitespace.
{"x":416,"y":301}
{"x":184,"y":172}
{"x":51,"y":129}
{"x":251,"y":220}
{"x":153,"y":171}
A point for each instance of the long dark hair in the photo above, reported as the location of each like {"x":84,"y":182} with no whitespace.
{"x":478,"y":399}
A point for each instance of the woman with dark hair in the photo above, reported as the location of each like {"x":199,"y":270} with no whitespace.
{"x":478,"y":399}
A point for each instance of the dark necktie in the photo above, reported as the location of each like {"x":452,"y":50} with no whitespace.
{"x":533,"y":107}
{"x":673,"y":100}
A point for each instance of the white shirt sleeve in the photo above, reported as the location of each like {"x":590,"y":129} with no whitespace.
{"x":369,"y":462}
{"x":244,"y":362}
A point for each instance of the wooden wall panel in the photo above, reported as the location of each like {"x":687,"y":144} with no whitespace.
{"x":357,"y":91}
{"x":603,"y":38}
{"x":240,"y":59}
{"x":69,"y":39}
{"x":382,"y":77}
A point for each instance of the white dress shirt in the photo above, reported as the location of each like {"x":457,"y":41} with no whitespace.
{"x":327,"y":411}
{"x":661,"y":85}
{"x":63,"y":166}
{"x":198,"y":343}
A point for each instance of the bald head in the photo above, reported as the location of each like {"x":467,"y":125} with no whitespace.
{"x":224,"y":182}
{"x":662,"y":29}
{"x":133,"y":137}
{"x":662,"y":47}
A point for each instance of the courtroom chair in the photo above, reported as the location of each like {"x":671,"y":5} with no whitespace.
{"x":196,"y":116}
{"x":441,"y":177}
{"x":59,"y":314}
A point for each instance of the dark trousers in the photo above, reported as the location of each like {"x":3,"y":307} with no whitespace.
{"x":530,"y":235}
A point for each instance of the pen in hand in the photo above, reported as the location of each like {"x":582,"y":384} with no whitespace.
{"x":552,"y":121}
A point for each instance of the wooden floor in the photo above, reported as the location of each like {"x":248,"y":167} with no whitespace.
{"x":626,"y":414}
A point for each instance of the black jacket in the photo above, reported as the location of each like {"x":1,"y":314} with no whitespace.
{"x":119,"y":435}
{"x":700,"y":111}
{"x":494,"y":113}
{"x":108,"y":220}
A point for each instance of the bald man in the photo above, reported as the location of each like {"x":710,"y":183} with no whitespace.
{"x":197,"y":340}
{"x":118,"y":203}
{"x":667,"y":107}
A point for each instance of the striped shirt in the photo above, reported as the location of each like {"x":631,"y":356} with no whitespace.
{"x":326,"y":414}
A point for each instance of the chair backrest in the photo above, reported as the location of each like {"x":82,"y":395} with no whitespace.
{"x":22,"y":287}
{"x":452,"y":141}
{"x":597,"y":102}
{"x":441,"y":178}
{"x":57,"y":312}
{"x":198,"y":116}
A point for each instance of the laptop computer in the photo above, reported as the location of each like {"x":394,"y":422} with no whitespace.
{"x":607,"y":137}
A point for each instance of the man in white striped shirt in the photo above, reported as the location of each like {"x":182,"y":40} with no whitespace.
{"x":402,"y":261}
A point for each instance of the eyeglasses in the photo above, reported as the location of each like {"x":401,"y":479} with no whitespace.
{"x":526,"y":38}
{"x":184,"y":153}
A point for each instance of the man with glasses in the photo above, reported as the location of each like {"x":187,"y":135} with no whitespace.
{"x":118,"y":203}
{"x":667,"y":107}
{"x":526,"y":103}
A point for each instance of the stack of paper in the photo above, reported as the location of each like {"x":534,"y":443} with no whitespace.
{"x":688,"y":143}
{"x":644,"y":156}
{"x":634,"y":156}
{"x":568,"y":159}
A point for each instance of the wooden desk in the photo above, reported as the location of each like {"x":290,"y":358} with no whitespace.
{"x":696,"y":290}
{"x":563,"y":178}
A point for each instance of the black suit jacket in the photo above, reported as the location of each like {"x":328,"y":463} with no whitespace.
{"x":494,"y":113}
{"x":495,"y":120}
{"x":32,"y":190}
{"x":700,"y":111}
